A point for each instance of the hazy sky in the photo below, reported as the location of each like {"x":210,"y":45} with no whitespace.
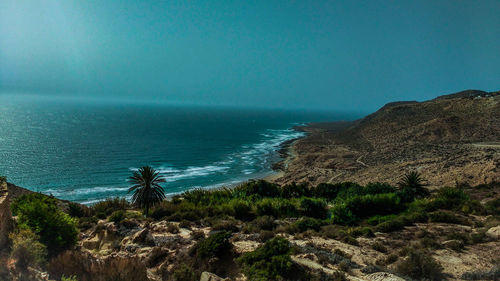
{"x":293,"y":54}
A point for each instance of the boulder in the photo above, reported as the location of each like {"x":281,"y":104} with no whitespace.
{"x":143,"y":237}
{"x":494,"y":232}
{"x":383,"y":276}
{"x":454,"y":244}
{"x":207,"y":276}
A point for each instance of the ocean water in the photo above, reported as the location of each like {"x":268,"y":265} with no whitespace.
{"x":85,"y":151}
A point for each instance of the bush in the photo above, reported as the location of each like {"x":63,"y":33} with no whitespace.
{"x":242,"y":209}
{"x":295,"y":191}
{"x":448,"y":198}
{"x":117,"y":216}
{"x":69,"y":278}
{"x":358,"y":207}
{"x":26,"y":250}
{"x":183,"y":272}
{"x":266,"y":207}
{"x":271,"y":261}
{"x":261,"y":188}
{"x":329,"y":191}
{"x":261,"y":223}
{"x":104,"y":208}
{"x":78,"y":210}
{"x":447,"y":217}
{"x":391,"y":225}
{"x":315,"y":208}
{"x":419,"y":265}
{"x":307,"y":224}
{"x":40,"y":214}
{"x":3,"y":179}
{"x":215,"y":245}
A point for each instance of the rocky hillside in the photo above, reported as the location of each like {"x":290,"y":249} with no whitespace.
{"x":452,"y":138}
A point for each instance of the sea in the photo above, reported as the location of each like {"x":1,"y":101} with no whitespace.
{"x":85,"y":151}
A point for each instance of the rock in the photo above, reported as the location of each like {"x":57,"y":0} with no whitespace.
{"x":454,"y":244}
{"x":207,"y":276}
{"x":92,"y":244}
{"x":143,"y":237}
{"x":155,"y":256}
{"x":383,"y":276}
{"x":494,"y":232}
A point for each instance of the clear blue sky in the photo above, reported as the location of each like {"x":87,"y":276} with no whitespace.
{"x":336,"y":55}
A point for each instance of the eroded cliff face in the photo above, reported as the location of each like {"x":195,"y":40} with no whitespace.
{"x":5,"y":216}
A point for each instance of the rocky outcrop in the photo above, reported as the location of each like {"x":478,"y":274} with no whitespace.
{"x":207,"y":276}
{"x":494,"y":232}
{"x":5,"y":216}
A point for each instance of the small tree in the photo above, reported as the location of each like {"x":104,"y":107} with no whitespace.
{"x":413,"y":186}
{"x":146,"y":188}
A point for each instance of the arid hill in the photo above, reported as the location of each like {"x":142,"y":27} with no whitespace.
{"x":452,"y":138}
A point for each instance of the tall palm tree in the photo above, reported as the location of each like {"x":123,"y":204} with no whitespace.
{"x":146,"y":187}
{"x":414,"y":185}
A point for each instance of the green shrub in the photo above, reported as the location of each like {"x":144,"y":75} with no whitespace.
{"x":380,"y":219}
{"x":447,"y":217}
{"x":40,"y":213}
{"x":493,"y":206}
{"x":358,"y":207}
{"x":295,"y":191}
{"x":329,"y":191}
{"x":306,"y":223}
{"x":3,"y":179}
{"x":242,"y":209}
{"x":26,"y":250}
{"x":261,"y":188}
{"x":117,"y":216}
{"x":448,"y":198}
{"x":267,"y":207}
{"x":391,"y":225}
{"x":286,"y":208}
{"x":260,"y":223}
{"x":78,"y":210}
{"x":377,"y":246}
{"x":315,"y":208}
{"x":215,"y":245}
{"x":419,"y":265}
{"x":69,"y":278}
{"x":182,"y":272}
{"x":107,"y":207}
{"x":271,"y":261}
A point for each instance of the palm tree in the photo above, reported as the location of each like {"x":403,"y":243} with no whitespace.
{"x":146,"y":187}
{"x":413,"y":185}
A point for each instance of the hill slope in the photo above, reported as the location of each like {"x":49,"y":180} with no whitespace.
{"x":453,"y":138}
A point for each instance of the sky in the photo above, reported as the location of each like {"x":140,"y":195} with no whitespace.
{"x":328,"y":55}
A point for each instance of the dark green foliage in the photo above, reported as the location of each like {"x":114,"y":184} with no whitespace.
{"x":164,"y":209}
{"x":304,"y":224}
{"x":271,"y":261}
{"x":117,"y":216}
{"x":146,"y":188}
{"x":242,"y":209}
{"x":419,"y":265}
{"x":207,"y":197}
{"x":295,"y":191}
{"x":380,"y":219}
{"x":78,"y":210}
{"x":261,"y":188}
{"x":448,"y":198}
{"x":447,"y":217}
{"x":358,"y":207}
{"x":315,"y":208}
{"x":267,"y":207}
{"x":391,"y":225}
{"x":330,"y":191}
{"x":40,"y":214}
{"x":412,"y":186}
{"x":106,"y":207}
{"x":493,"y":206}
{"x":261,"y":223}
{"x":3,"y":178}
{"x":215,"y":245}
{"x":182,"y":272}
